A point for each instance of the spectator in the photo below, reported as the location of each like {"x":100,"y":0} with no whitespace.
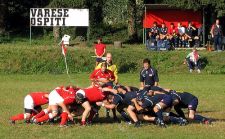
{"x":155,"y":29}
{"x":164,"y":30}
{"x":216,"y":32}
{"x":189,"y":34}
{"x":172,"y":35}
{"x":151,"y":42}
{"x":99,"y":51}
{"x":181,"y":33}
{"x":148,"y":76}
{"x":193,"y":60}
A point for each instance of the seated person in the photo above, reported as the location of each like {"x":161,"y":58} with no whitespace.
{"x":163,"y":30}
{"x":189,"y":34}
{"x":172,"y":35}
{"x":151,"y":42}
{"x":181,"y":34}
{"x":193,"y":60}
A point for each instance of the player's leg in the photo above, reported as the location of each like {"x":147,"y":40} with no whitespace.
{"x":130,"y":110}
{"x":120,"y":109}
{"x":87,"y":108}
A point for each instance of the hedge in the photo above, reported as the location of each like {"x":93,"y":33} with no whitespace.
{"x":48,"y":59}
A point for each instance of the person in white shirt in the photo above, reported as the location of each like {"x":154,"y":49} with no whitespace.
{"x":193,"y":60}
{"x":181,"y":33}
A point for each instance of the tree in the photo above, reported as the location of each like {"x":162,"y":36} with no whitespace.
{"x":2,"y":16}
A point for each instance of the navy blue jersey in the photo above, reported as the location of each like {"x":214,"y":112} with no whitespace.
{"x":155,"y":29}
{"x":184,"y":98}
{"x":118,"y":99}
{"x":163,"y":30}
{"x":129,"y":96}
{"x":149,"y":102}
{"x":149,"y":76}
{"x":189,"y":31}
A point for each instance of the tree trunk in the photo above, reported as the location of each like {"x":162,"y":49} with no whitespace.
{"x":132,"y":25}
{"x":2,"y":16}
{"x":56,"y":33}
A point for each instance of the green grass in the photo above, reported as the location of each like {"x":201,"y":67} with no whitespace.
{"x":209,"y":89}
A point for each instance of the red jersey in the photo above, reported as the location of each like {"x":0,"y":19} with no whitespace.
{"x":94,"y":94}
{"x":69,"y":96}
{"x":39,"y":98}
{"x":97,"y":74}
{"x":171,"y":31}
{"x":100,"y":48}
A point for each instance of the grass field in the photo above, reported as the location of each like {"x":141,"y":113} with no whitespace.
{"x":209,"y":88}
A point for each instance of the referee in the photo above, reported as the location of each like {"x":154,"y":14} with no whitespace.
{"x":148,"y":76}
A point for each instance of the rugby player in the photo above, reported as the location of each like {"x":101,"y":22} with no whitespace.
{"x":32,"y":106}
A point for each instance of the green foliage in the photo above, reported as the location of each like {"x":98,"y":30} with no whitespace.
{"x":48,"y":59}
{"x":217,"y":5}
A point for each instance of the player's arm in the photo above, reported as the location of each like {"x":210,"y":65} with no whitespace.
{"x":179,"y":111}
{"x":156,"y":78}
{"x":46,"y":95}
{"x":116,"y":75}
{"x":105,"y":89}
{"x":137,"y":106}
{"x":109,"y":106}
{"x":211,"y":31}
{"x":92,"y":76}
{"x":65,"y":109}
{"x":112,"y":76}
{"x":141,"y":81}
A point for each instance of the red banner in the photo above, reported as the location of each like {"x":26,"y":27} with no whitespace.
{"x":172,"y":16}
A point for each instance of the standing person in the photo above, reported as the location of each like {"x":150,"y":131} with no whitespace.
{"x":110,"y":66}
{"x":193,"y":60}
{"x":99,"y":50}
{"x":102,"y":76}
{"x":148,"y":76}
{"x":216,"y":32}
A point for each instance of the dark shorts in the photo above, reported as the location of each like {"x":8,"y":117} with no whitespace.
{"x":99,"y":59}
{"x":36,"y":110}
{"x":150,"y":113}
{"x":193,"y":104}
{"x":167,"y":100}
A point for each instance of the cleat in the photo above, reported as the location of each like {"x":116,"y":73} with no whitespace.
{"x":129,"y":122}
{"x":207,"y":121}
{"x":183,"y":122}
{"x":160,"y":123}
{"x":83,"y":123}
{"x":198,"y":70}
{"x":12,"y":122}
{"x":63,"y":126}
{"x":137,"y":124}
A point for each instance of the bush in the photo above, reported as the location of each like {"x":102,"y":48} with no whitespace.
{"x":48,"y":59}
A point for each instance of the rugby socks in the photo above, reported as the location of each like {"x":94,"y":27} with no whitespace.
{"x":199,"y":118}
{"x":18,"y":117}
{"x":83,"y":123}
{"x":159,"y":115}
{"x":64,"y":118}
{"x":44,"y":118}
{"x":42,"y":113}
{"x":125,"y":116}
{"x":91,"y":115}
{"x":175,"y":120}
{"x":173,"y":114}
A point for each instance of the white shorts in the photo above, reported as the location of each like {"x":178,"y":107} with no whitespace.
{"x":28,"y":102}
{"x":55,"y":98}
